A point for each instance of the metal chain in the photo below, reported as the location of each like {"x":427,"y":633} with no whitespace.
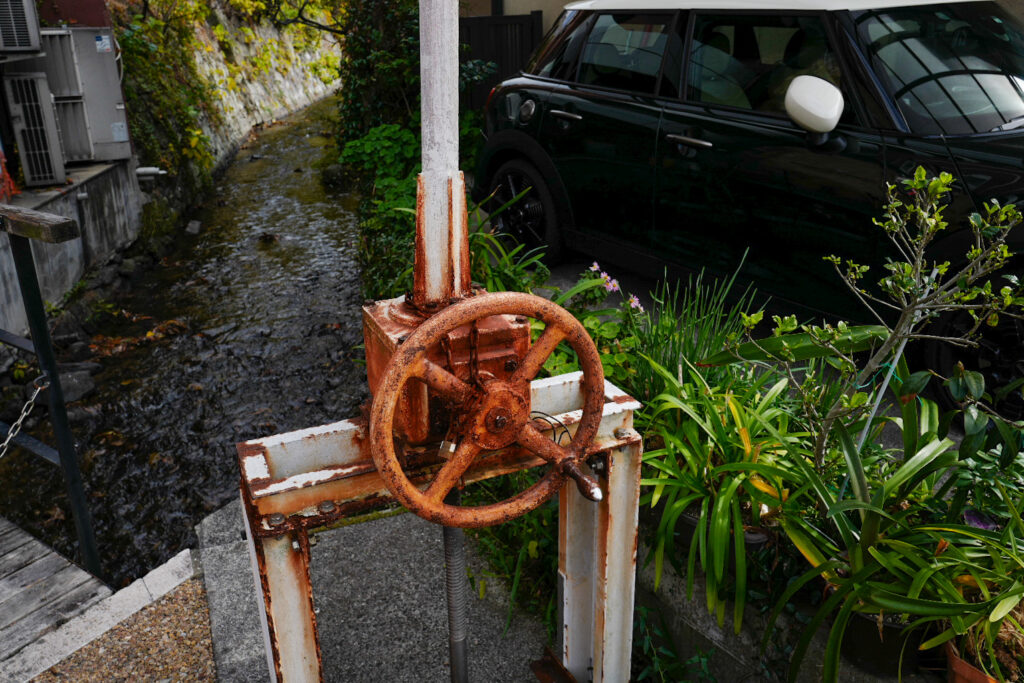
{"x":40,"y":383}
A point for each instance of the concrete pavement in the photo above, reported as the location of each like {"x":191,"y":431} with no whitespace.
{"x":378,"y":588}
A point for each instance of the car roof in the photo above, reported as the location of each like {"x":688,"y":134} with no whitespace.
{"x":749,"y":4}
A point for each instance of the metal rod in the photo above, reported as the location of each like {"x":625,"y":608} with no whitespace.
{"x":21,"y":249}
{"x":457,"y":586}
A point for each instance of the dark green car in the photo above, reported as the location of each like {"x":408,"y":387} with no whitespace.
{"x":659,"y":137}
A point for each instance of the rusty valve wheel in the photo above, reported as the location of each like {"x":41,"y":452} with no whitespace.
{"x":493,"y":415}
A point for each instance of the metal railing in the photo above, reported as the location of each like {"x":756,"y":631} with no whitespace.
{"x":22,"y":226}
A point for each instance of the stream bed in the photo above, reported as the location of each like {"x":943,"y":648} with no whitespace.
{"x":250,"y":328}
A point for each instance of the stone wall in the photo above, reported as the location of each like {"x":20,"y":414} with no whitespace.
{"x":290,"y":82}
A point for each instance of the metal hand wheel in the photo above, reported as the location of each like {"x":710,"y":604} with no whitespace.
{"x":492,"y":415}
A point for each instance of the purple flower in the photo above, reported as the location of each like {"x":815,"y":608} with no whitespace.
{"x":635,"y":303}
{"x":979,"y":521}
{"x":594,"y":267}
{"x":611,"y":285}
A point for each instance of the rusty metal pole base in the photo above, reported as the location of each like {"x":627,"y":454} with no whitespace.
{"x":548,"y":669}
{"x":457,"y":589}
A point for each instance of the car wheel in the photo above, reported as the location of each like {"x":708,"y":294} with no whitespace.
{"x":531,"y":220}
{"x":997,"y":357}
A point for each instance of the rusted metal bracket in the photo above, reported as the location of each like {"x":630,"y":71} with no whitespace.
{"x":296,"y":483}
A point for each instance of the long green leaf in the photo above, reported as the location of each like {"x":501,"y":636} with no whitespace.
{"x":741,"y":566}
{"x":801,"y":346}
{"x":910,"y":468}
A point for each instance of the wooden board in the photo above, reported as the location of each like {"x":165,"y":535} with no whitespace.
{"x":39,"y":589}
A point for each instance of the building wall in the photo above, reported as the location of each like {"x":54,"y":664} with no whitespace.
{"x":550,"y":8}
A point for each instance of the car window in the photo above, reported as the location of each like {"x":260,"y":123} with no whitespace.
{"x":624,"y":50}
{"x":747,"y":62}
{"x":951,"y":69}
{"x":557,"y":55}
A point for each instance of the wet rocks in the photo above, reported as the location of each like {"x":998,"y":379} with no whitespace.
{"x":193,"y":227}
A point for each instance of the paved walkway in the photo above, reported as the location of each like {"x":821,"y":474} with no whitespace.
{"x":379,"y":593}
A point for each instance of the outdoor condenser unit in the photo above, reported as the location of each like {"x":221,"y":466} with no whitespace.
{"x":35,"y":128}
{"x":19,"y":27}
{"x":82,"y":72}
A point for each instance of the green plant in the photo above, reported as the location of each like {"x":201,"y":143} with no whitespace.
{"x":722,"y":461}
{"x":387,"y":151}
{"x":687,"y":323}
{"x":655,"y":657}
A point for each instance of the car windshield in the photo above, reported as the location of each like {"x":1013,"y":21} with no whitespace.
{"x":953,"y":69}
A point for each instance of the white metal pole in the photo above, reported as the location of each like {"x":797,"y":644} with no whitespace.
{"x":440,"y":239}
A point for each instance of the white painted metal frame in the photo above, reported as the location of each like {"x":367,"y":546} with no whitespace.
{"x":286,"y":474}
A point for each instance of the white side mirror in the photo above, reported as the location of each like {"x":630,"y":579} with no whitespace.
{"x":814,"y":104}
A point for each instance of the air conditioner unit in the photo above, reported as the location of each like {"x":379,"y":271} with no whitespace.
{"x":35,"y":128}
{"x":82,"y":72}
{"x":19,"y":26}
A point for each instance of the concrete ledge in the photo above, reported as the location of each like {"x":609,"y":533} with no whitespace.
{"x":82,"y":630}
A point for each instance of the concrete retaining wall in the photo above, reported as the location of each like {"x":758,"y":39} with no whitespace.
{"x":290,"y":83}
{"x":106,"y":202}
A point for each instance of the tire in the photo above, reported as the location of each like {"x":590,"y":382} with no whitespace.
{"x":998,"y":357}
{"x":532,"y":220}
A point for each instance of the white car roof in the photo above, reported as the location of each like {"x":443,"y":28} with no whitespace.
{"x":748,"y":4}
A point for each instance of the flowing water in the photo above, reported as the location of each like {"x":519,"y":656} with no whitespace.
{"x":249,"y":329}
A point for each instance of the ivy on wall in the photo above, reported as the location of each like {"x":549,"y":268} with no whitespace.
{"x":169,"y":100}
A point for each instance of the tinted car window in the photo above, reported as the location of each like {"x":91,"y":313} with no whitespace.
{"x":747,"y":62}
{"x":557,"y":55}
{"x":951,"y":69}
{"x":623,"y":51}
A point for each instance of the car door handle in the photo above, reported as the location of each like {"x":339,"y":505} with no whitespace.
{"x":567,"y":115}
{"x":692,"y":142}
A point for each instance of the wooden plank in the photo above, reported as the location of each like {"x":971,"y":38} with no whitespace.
{"x":32,"y":573}
{"x":24,"y":631}
{"x":40,"y":594}
{"x":36,"y":225}
{"x":6,"y":525}
{"x":21,"y":557}
{"x":13,"y":539}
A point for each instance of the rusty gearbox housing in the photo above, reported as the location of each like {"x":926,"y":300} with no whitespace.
{"x":494,"y":345}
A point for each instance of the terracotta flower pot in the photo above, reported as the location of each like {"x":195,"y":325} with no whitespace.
{"x":961,"y":671}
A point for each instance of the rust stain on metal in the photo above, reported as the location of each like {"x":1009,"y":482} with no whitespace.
{"x":548,"y":669}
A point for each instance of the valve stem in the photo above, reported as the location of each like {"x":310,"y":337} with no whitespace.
{"x":457,"y":587}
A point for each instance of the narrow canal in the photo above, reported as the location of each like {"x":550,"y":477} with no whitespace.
{"x":250,"y":328}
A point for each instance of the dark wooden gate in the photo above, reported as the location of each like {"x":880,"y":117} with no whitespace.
{"x":508,"y":41}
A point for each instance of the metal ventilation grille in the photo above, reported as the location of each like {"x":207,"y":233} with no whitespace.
{"x":33,"y":143}
{"x":15,"y":30}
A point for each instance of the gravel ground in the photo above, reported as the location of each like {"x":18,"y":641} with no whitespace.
{"x":167,"y":641}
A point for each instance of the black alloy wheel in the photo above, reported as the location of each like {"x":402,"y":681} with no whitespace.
{"x":531,"y":220}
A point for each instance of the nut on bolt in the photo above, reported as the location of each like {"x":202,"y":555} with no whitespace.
{"x":326,"y":507}
{"x":622,"y":433}
{"x":511,"y":364}
{"x":276,"y":519}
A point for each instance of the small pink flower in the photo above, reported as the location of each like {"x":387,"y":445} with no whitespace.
{"x":611,"y":285}
{"x":635,"y":303}
{"x":605,"y":276}
{"x":594,"y":267}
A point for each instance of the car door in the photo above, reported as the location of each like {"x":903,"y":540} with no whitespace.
{"x":735,"y":175}
{"x":600,"y":129}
